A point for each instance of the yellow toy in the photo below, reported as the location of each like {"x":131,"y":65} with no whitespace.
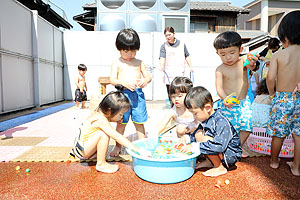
{"x":231,"y":99}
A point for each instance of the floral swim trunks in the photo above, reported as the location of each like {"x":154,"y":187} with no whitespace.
{"x":240,"y":115}
{"x":284,"y":118}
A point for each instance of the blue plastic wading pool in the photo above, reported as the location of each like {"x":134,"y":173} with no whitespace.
{"x":163,"y":170}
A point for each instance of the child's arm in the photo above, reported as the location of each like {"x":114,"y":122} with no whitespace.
{"x":252,"y":61}
{"x":146,"y":76}
{"x":189,"y":62}
{"x":220,"y":88}
{"x":85,"y":84}
{"x":272,"y":73}
{"x":77,"y":82}
{"x":106,"y":127}
{"x":169,"y":116}
{"x":297,"y":88}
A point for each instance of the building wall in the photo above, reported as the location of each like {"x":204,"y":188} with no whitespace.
{"x":273,"y":20}
{"x":31,"y":59}
{"x":142,"y":15}
{"x":217,"y":21}
{"x":97,"y":51}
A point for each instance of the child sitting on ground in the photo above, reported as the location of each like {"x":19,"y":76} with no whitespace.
{"x":184,"y":119}
{"x":284,"y":68}
{"x":220,"y":143}
{"x":261,"y":106}
{"x":96,"y":132}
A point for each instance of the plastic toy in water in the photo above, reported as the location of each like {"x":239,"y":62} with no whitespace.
{"x":166,"y":164}
{"x":249,"y":57}
{"x":231,"y":99}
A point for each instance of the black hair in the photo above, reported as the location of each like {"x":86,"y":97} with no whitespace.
{"x":262,"y":87}
{"x":273,"y":43}
{"x":82,"y":67}
{"x":197,"y":98}
{"x":113,"y":103}
{"x":128,"y":39}
{"x":169,"y":29}
{"x":228,"y":39}
{"x":257,"y":64}
{"x":289,"y":28}
{"x":180,"y":84}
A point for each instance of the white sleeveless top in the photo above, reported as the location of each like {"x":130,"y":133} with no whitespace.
{"x":189,"y":122}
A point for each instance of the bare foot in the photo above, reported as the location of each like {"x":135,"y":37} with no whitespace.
{"x":274,"y":164}
{"x":107,"y":168}
{"x":203,"y":164}
{"x":215,"y":171}
{"x":115,"y":152}
{"x":84,"y":107}
{"x":295,"y":171}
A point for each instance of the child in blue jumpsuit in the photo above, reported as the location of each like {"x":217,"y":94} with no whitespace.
{"x":220,"y":142}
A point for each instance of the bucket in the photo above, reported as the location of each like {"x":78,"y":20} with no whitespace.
{"x":163,"y":170}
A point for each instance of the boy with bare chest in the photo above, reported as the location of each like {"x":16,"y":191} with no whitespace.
{"x":131,"y":73}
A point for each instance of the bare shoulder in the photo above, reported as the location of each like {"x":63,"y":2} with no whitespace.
{"x":221,"y":68}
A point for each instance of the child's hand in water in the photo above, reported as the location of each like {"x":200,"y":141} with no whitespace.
{"x":181,"y":142}
{"x":186,"y":148}
{"x":144,"y":153}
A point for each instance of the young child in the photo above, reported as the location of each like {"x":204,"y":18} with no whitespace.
{"x":232,"y":76}
{"x":284,"y":68}
{"x":261,"y":106}
{"x":184,"y":119}
{"x":221,"y":143}
{"x":96,"y":131}
{"x":254,"y":79}
{"x":131,"y":73}
{"x":80,"y":92}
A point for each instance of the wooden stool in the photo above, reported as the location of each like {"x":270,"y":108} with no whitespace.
{"x":104,"y":81}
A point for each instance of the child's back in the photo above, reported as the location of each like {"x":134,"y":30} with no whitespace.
{"x":284,"y":68}
{"x":288,"y":65}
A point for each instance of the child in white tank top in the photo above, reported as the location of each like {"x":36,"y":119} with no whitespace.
{"x":184,"y":120}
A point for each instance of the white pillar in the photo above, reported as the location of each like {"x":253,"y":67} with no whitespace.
{"x":37,"y":100}
{"x":264,"y":15}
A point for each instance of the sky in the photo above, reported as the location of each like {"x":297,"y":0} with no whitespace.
{"x":74,"y":7}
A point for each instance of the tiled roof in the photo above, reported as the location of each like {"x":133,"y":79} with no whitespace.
{"x":90,"y":5}
{"x":216,"y":6}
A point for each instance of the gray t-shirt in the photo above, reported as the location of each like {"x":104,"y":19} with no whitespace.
{"x":162,"y":53}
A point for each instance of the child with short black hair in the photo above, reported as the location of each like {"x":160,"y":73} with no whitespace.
{"x":220,"y":143}
{"x":132,"y":74}
{"x":232,"y":76}
{"x":284,"y":68}
{"x":80,"y":92}
{"x":96,"y":131}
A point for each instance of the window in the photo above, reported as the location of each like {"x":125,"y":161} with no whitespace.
{"x":177,"y":22}
{"x":199,"y":27}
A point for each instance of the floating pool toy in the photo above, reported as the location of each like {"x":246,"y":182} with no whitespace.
{"x":232,"y":99}
{"x":18,"y":168}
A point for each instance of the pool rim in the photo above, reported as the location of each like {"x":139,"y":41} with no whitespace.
{"x":187,"y":157}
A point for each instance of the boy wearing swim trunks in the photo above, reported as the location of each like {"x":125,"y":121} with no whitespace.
{"x":232,"y":76}
{"x":131,"y":73}
{"x":80,"y":92}
{"x":284,"y":68}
